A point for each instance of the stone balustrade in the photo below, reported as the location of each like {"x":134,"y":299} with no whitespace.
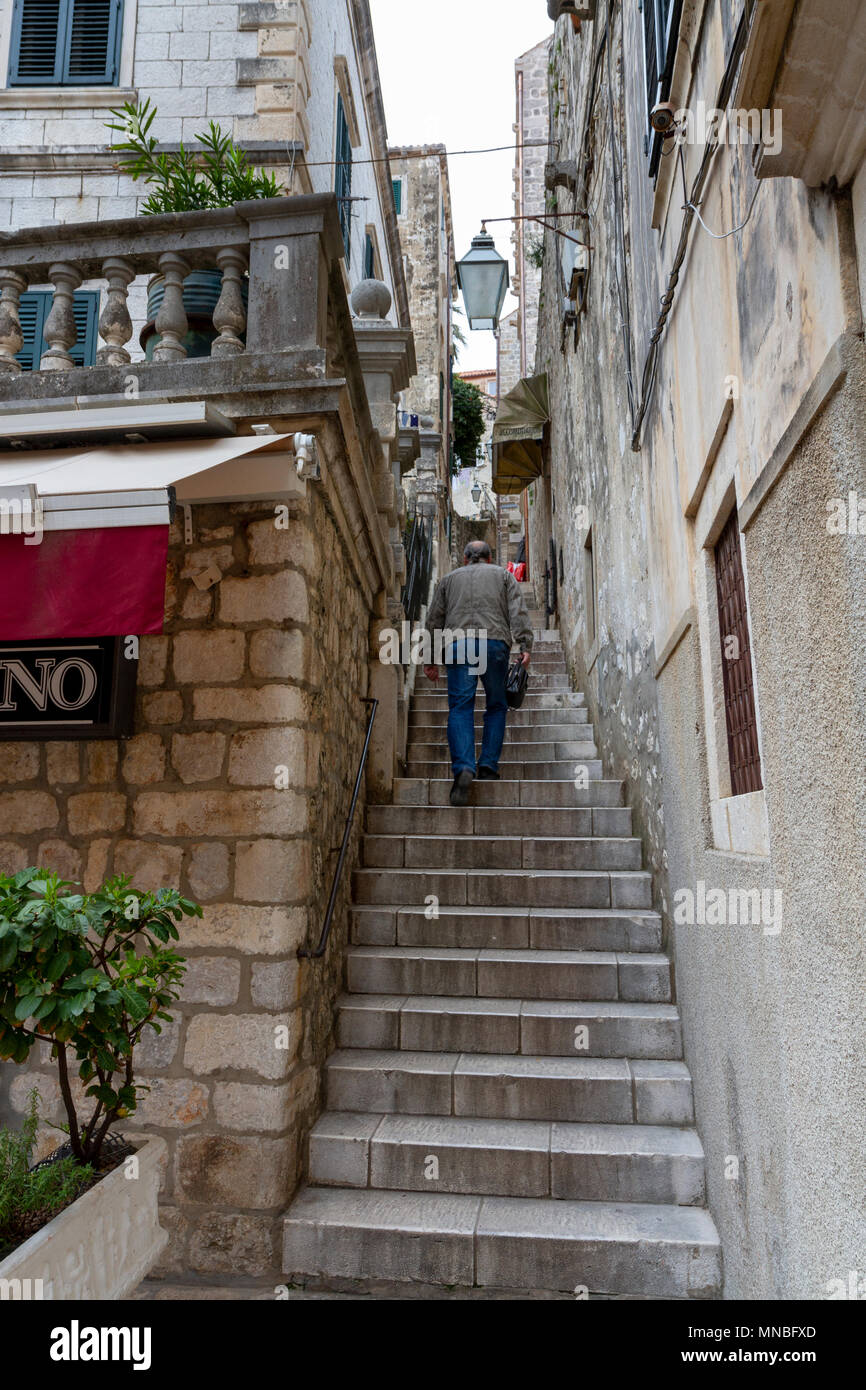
{"x":286,"y":246}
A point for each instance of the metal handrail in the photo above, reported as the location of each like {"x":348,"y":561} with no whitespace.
{"x":419,"y":558}
{"x":304,"y":951}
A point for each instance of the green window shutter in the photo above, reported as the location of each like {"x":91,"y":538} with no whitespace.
{"x":661,"y":23}
{"x":343,"y":176}
{"x":36,"y":53}
{"x":73,"y":43}
{"x":92,"y":42}
{"x":34,"y":308}
{"x":397,"y":185}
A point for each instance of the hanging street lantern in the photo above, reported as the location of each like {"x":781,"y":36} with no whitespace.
{"x":475,"y":492}
{"x":483,"y":277}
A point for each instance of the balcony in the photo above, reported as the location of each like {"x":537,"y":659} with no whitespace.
{"x":287,"y":352}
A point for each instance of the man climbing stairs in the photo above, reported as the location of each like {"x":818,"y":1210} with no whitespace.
{"x":507,"y":1107}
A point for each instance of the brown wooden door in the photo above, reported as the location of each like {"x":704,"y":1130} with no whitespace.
{"x":739,"y":683}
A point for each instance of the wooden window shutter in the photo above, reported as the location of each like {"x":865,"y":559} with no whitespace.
{"x":71,"y":43}
{"x":93,"y":31}
{"x":397,"y":186}
{"x":739,"y":687}
{"x":661,"y":25}
{"x":34,"y":308}
{"x":36,"y":54}
{"x":343,"y":179}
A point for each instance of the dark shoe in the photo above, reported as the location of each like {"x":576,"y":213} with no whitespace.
{"x":486,"y":774}
{"x":460,"y":788}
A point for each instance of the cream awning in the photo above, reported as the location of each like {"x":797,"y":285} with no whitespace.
{"x":518,"y":432}
{"x":122,"y":485}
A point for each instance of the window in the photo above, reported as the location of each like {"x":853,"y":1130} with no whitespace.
{"x":65,"y":43}
{"x":343,"y":175}
{"x":369,"y":259}
{"x":740,"y":716}
{"x":34,"y":308}
{"x":661,"y":22}
{"x":397,"y":186}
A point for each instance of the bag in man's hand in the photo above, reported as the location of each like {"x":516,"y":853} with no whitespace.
{"x":515,"y":684}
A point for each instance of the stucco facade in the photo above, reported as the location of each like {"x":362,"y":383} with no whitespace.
{"x":755,"y":400}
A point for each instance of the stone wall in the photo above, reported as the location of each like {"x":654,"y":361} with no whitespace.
{"x":262,"y":671}
{"x":758,"y":399}
{"x":533,"y":119}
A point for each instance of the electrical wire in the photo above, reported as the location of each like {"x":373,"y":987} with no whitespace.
{"x":396,"y":154}
{"x":718,"y":236}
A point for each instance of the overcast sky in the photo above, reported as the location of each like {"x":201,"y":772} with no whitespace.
{"x":447,"y":73}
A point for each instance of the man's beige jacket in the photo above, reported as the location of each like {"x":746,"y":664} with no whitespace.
{"x":481,"y":597}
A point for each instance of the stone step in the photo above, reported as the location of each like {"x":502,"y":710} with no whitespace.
{"x":527,"y":717}
{"x":426,"y":791}
{"x":572,"y":750}
{"x":519,"y":1027}
{"x":593,"y":1090}
{"x":641,"y":1249}
{"x":504,"y":887}
{"x":509,"y":973}
{"x":533,"y":700}
{"x":530,"y":770}
{"x":519,"y":736}
{"x":539,"y":683}
{"x":559,"y":929}
{"x":500,"y":852}
{"x":509,"y":1158}
{"x":499,"y":820}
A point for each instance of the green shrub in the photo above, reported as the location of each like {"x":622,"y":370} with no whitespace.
{"x":28,"y":1199}
{"x":87,"y":973}
{"x":216,"y":176}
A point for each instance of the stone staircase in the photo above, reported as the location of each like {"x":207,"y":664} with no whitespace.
{"x":507,"y":1105}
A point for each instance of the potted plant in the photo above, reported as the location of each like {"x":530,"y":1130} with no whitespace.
{"x":86,"y":974}
{"x":184,"y":180}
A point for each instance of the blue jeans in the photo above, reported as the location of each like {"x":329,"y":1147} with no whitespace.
{"x":462,"y":678}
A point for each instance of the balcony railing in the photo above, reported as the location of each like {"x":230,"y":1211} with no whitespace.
{"x":288,"y":247}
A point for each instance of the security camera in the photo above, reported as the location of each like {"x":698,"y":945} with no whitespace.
{"x":663,"y":117}
{"x":306,"y":456}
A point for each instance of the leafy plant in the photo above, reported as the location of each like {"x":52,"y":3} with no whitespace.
{"x":215,"y":176}
{"x":535,"y":251}
{"x":87,"y":973}
{"x":468,"y":420}
{"x":30,"y":1197}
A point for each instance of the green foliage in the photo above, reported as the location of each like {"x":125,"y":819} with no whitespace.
{"x":535,"y":251}
{"x":468,"y":421}
{"x":29,"y":1199}
{"x":183,"y":180}
{"x":87,"y":973}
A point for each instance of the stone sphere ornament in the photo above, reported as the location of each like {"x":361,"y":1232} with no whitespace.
{"x":370,"y":299}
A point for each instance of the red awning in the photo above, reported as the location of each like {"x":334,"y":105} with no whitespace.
{"x":100,"y":582}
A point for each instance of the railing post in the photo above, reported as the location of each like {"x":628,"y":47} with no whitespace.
{"x":115,"y":324}
{"x":12,"y":286}
{"x":171,"y":323}
{"x":59,"y":331}
{"x":229,"y":315}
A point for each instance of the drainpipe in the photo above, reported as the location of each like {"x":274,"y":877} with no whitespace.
{"x":521,"y":247}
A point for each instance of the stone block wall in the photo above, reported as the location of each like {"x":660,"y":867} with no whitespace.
{"x":234,"y":788}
